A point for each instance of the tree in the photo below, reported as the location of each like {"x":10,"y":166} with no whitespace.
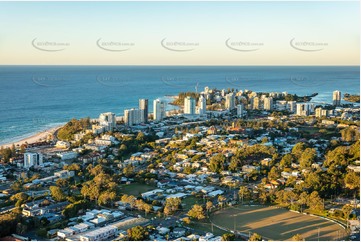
{"x":297,"y":237}
{"x":73,"y":209}
{"x":147,"y":208}
{"x":21,"y":196}
{"x":61,"y":182}
{"x":315,"y":202}
{"x":221,"y":200}
{"x":196,"y":212}
{"x":129,"y":200}
{"x":350,"y":134}
{"x":209,"y":206}
{"x":244,"y":193}
{"x":172,"y":205}
{"x":234,"y":164}
{"x":228,"y":237}
{"x":57,"y":193}
{"x":106,"y":198}
{"x":286,"y":161}
{"x":274,"y":173}
{"x":308,"y":157}
{"x":302,"y":200}
{"x":352,"y":180}
{"x":346,"y":210}
{"x":186,"y":220}
{"x":298,"y":149}
{"x":255,"y":237}
{"x":137,"y":233}
{"x":217,"y":163}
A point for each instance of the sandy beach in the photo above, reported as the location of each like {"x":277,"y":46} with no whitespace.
{"x":34,"y":138}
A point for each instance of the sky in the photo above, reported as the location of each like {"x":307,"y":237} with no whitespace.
{"x":179,"y":33}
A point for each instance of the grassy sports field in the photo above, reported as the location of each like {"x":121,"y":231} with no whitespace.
{"x":277,"y":223}
{"x":136,"y":189}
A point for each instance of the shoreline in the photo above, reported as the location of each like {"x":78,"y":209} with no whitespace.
{"x":33,"y":138}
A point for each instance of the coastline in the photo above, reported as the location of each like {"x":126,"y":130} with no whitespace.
{"x":34,"y":138}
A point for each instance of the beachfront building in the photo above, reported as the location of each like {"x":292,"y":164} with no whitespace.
{"x":132,"y":116}
{"x":336,"y":98}
{"x":230,"y":101}
{"x":189,"y":105}
{"x":268,"y":103}
{"x":202,"y":105}
{"x":255,"y":103}
{"x":291,"y":106}
{"x":32,"y":160}
{"x":107,"y":120}
{"x":304,"y":109}
{"x":159,"y":108}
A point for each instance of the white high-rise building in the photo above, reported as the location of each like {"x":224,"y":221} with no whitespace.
{"x":304,"y":109}
{"x":255,"y":103}
{"x":291,"y":106}
{"x":107,"y":120}
{"x":159,"y":108}
{"x":230,"y":101}
{"x":268,"y":103}
{"x":189,"y":105}
{"x":336,"y":98}
{"x":319,"y":112}
{"x":132,"y":116}
{"x":202,"y":105}
{"x":240,"y":110}
{"x":33,"y":159}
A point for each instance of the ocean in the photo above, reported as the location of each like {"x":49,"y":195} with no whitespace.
{"x":35,"y":98}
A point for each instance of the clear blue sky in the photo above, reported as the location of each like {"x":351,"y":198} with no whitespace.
{"x":270,"y":25}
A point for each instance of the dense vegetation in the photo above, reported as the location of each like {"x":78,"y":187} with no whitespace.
{"x":72,"y":127}
{"x":180,"y":100}
{"x":351,"y":98}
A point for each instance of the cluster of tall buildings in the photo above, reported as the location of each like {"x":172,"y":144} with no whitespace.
{"x":137,"y":115}
{"x":191,"y":108}
{"x":265,"y":103}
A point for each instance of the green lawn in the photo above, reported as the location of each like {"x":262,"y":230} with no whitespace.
{"x":190,"y":201}
{"x":276,"y":223}
{"x":136,"y":189}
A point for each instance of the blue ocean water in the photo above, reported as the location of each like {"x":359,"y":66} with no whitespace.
{"x":34,"y":98}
